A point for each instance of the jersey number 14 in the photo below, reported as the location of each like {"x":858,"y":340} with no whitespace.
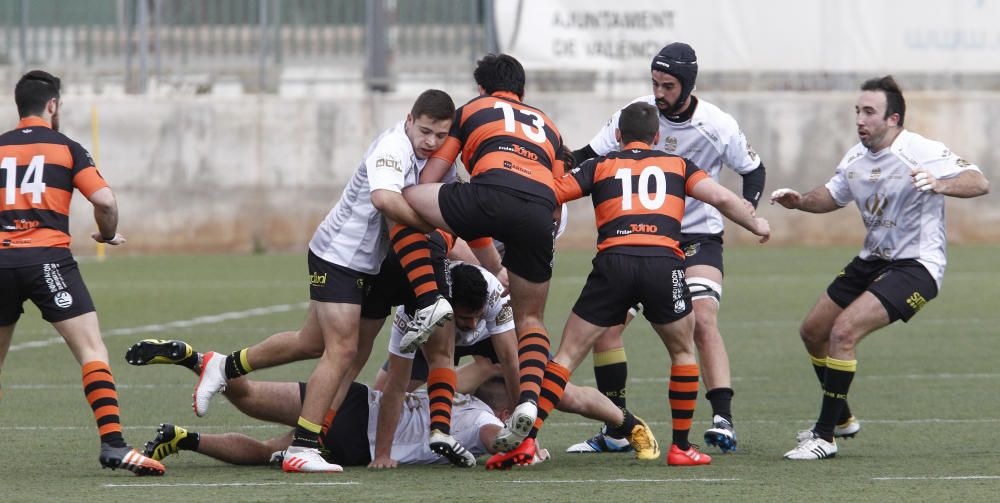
{"x":30,"y":184}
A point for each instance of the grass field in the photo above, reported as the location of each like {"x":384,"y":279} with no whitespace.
{"x":928,"y":394}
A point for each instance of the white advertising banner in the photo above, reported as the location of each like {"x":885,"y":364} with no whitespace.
{"x":756,"y":35}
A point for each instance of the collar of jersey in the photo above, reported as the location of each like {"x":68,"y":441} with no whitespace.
{"x":636,"y":145}
{"x":507,"y":95}
{"x":32,"y":121}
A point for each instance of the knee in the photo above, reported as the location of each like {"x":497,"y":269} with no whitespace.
{"x":843,"y":335}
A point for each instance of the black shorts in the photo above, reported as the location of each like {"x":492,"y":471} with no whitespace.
{"x":420,"y":369}
{"x":347,"y":438}
{"x":903,"y":286}
{"x":702,"y":249}
{"x":619,"y":281}
{"x":57,"y":289}
{"x":391,"y":287}
{"x":525,"y":226}
{"x":329,"y":282}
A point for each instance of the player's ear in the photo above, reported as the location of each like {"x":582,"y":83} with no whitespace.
{"x":656,"y":138}
{"x":618,"y":135}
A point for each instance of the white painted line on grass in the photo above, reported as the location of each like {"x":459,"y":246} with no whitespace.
{"x":964,"y":477}
{"x":614,"y":481}
{"x":233,"y":484}
{"x":172,"y":325}
{"x":876,"y":377}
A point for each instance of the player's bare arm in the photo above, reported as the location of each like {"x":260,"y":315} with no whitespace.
{"x":818,"y":200}
{"x":732,"y":206}
{"x":394,"y":206}
{"x":505,"y":345}
{"x":390,"y":408}
{"x":966,"y":184}
{"x":434,"y":170}
{"x":106,"y":216}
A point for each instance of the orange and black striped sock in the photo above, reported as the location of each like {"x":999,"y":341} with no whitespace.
{"x":414,"y":253}
{"x":556,"y":377}
{"x":99,"y":387}
{"x":441,"y":384}
{"x":683,"y":397}
{"x":532,"y":354}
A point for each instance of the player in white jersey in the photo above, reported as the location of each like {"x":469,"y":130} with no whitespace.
{"x":349,"y":440}
{"x":898,"y":180}
{"x":701,"y":132}
{"x":344,"y":260}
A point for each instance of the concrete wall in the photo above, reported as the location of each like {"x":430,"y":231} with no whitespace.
{"x":239,"y":173}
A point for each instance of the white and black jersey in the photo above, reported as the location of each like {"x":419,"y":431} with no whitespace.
{"x":902,"y":222}
{"x":354,"y":234}
{"x":711,"y":139}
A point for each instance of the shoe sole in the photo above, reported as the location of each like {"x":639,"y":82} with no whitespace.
{"x":725,"y":443}
{"x":455,"y":458}
{"x":418,"y":340}
{"x":153,"y":351}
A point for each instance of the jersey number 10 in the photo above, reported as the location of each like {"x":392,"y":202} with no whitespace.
{"x":32,"y":182}
{"x":649,"y":201}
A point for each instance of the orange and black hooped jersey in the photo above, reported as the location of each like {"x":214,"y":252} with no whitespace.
{"x":506,"y":143}
{"x":39,"y":168}
{"x":638,"y":197}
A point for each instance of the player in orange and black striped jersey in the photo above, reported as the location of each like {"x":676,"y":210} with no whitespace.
{"x":638,"y":197}
{"x":39,"y":169}
{"x":510,"y":151}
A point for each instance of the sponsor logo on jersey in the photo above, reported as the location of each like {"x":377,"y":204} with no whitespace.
{"x":64,"y":299}
{"x":692,"y":249}
{"x":670,"y":144}
{"x":389,"y":162}
{"x":514,"y":148}
{"x":962,"y":163}
{"x":24,"y":224}
{"x":506,"y":315}
{"x":875,"y":174}
{"x":876,"y":203}
{"x":882,"y":253}
{"x":317,"y":279}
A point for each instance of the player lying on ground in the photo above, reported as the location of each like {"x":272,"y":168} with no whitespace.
{"x":350,"y":439}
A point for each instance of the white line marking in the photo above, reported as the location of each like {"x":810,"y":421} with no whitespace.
{"x":946,"y":375}
{"x":968,"y":477}
{"x":614,"y":481}
{"x":163,"y":327}
{"x":235,"y":484}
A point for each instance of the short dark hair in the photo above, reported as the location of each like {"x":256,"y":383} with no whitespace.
{"x":34,"y":91}
{"x":894,"y":102}
{"x":435,"y":104}
{"x":639,"y":122}
{"x":468,"y":287}
{"x":500,"y":72}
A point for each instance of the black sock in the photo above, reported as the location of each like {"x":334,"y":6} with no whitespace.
{"x":236,"y":364}
{"x":611,"y":374}
{"x":721,"y":400}
{"x":190,"y":442}
{"x":819,"y":366}
{"x":622,"y":430}
{"x":839,"y":374}
{"x":192,"y":362}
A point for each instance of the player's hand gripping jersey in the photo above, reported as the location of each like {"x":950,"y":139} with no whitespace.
{"x":638,"y":197}
{"x":507,"y":144}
